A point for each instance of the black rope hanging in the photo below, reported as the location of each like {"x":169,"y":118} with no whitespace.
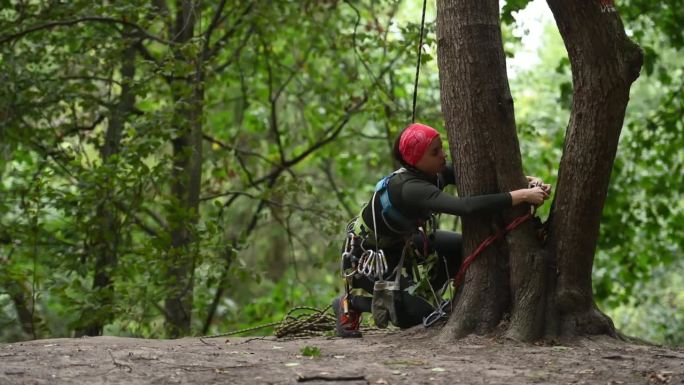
{"x":420,"y":51}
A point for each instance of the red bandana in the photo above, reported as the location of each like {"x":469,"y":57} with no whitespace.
{"x":414,"y":142}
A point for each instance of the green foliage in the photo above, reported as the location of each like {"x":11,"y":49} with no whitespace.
{"x":510,"y":7}
{"x":310,"y":351}
{"x":300,"y":104}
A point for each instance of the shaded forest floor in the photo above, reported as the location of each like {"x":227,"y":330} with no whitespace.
{"x":400,"y":358}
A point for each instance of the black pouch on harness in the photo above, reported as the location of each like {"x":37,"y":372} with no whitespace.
{"x":386,"y":296}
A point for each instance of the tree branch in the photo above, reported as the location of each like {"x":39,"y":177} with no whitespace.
{"x":233,"y":148}
{"x":145,"y":53}
{"x":376,"y":80}
{"x":165,"y":12}
{"x":149,"y":230}
{"x":211,"y":51}
{"x":236,"y":53}
{"x":338,"y":193}
{"x":273,"y":118}
{"x":157,"y":217}
{"x":98,"y":19}
{"x":332,"y":133}
{"x":215,"y":21}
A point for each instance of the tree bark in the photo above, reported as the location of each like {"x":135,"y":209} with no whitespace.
{"x":478,"y":111}
{"x":546,"y":289}
{"x":604,"y":65}
{"x":188,"y":96}
{"x":31,"y":322}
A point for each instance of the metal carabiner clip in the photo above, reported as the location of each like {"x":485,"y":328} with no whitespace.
{"x":383,"y":264}
{"x":364,"y":263}
{"x":436,"y":315}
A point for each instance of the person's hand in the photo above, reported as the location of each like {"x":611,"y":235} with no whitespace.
{"x":533,"y":181}
{"x":534,"y":196}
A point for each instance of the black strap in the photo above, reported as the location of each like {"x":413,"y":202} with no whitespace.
{"x":420,"y":51}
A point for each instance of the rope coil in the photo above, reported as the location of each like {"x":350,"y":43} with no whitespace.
{"x":316,"y":323}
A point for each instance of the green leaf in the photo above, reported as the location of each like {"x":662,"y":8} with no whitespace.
{"x":310,"y":351}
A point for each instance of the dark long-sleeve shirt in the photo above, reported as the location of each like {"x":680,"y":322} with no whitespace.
{"x":417,"y":195}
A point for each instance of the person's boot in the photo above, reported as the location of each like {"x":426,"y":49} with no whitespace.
{"x":347,"y":324}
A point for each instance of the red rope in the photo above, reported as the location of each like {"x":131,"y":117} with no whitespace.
{"x":466,"y":263}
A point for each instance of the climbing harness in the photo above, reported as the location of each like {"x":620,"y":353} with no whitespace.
{"x":373,"y":262}
{"x":390,"y":212}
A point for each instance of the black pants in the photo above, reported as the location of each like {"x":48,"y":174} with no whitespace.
{"x":411,"y":308}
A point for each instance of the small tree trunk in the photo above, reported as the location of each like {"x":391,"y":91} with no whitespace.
{"x":31,"y":322}
{"x":107,"y":231}
{"x":188,"y":96}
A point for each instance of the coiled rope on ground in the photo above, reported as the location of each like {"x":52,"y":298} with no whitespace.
{"x":311,"y":322}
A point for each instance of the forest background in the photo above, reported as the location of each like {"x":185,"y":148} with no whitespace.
{"x":191,"y":171}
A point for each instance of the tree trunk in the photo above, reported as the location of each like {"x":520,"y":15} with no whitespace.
{"x":604,"y":65}
{"x":511,"y":277}
{"x":20,"y":293}
{"x":188,"y":95}
{"x":107,"y":234}
{"x":478,"y":110}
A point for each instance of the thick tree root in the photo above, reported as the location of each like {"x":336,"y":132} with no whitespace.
{"x":591,"y":322}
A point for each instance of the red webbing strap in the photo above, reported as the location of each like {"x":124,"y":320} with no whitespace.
{"x":466,"y":263}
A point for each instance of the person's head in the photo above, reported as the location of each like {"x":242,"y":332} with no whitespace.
{"x":420,"y":146}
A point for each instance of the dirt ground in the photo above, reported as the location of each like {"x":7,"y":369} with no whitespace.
{"x":407,"y":357}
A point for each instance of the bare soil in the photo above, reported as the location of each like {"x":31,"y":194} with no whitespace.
{"x":408,"y":357}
